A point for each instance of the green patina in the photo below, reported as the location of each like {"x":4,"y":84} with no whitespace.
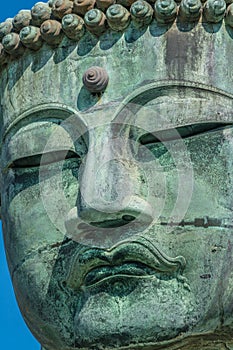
{"x":117,"y":177}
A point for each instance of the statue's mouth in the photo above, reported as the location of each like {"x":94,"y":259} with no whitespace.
{"x":104,"y":273}
{"x":139,"y":258}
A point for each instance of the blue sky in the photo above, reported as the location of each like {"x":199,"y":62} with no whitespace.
{"x":13,"y":331}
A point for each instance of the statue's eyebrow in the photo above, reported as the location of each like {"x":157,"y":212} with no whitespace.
{"x":19,"y":127}
{"x":45,"y":112}
{"x":217,"y":104}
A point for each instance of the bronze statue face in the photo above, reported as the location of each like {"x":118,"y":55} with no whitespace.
{"x":117,"y":204}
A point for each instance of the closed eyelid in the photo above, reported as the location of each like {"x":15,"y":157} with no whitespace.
{"x":30,"y":144}
{"x":43,"y":159}
{"x":181,"y":132}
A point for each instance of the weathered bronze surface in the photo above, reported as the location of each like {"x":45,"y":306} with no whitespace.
{"x":117,"y":172}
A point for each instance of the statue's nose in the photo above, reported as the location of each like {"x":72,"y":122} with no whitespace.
{"x":110,"y":192}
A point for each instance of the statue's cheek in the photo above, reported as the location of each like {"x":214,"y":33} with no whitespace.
{"x":26,"y":222}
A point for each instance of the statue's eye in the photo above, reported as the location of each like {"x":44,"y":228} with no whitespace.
{"x":180,"y":132}
{"x":44,"y":159}
{"x":157,"y":144}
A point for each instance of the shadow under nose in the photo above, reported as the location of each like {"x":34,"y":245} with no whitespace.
{"x":94,"y":225}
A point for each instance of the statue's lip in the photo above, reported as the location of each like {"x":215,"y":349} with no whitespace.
{"x":137,"y":257}
{"x":128,"y":269}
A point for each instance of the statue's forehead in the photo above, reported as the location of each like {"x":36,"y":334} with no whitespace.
{"x":54,"y":76}
{"x":155,"y":106}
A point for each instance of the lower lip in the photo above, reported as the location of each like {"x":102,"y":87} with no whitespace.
{"x":103,"y":273}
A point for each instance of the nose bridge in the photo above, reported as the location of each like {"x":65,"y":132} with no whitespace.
{"x":104,"y":177}
{"x":108,"y":196}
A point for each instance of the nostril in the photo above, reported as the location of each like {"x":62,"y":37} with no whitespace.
{"x":82,"y":221}
{"x":123,"y":220}
{"x":128,"y":218}
{"x":103,"y":228}
{"x":109,"y":223}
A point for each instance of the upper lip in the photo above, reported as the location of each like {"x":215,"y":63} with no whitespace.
{"x":134,"y":251}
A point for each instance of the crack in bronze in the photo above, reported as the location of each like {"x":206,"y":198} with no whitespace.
{"x":202,"y":222}
{"x":40,"y":250}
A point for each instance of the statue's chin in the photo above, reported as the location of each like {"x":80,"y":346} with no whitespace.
{"x":119,"y":313}
{"x":152,"y":311}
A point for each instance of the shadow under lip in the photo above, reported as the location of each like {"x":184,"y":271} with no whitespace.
{"x":118,"y":285}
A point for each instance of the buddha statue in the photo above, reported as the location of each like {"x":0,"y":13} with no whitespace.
{"x":117,"y":172}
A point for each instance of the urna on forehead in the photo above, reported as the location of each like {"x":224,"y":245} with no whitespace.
{"x":46,"y":51}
